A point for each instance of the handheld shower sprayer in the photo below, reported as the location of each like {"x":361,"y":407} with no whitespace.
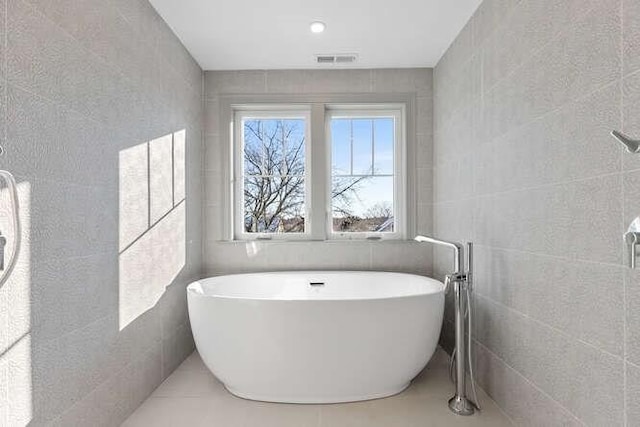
{"x":8,"y":267}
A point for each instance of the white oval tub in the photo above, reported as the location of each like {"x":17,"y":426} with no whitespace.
{"x":276,"y":337}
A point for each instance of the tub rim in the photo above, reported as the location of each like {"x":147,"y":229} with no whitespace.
{"x":440,"y":290}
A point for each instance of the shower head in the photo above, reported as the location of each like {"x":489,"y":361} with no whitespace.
{"x":632,"y":146}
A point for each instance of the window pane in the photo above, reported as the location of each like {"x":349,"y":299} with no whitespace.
{"x":274,"y":205}
{"x":384,"y":140}
{"x":362,"y":146}
{"x":253,"y":147}
{"x":274,"y":175}
{"x":363,"y":204}
{"x":341,"y":146}
{"x":274,"y":146}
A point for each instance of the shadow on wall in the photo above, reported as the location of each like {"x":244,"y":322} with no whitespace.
{"x":152,"y":222}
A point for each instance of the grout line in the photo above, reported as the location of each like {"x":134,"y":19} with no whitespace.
{"x":203,"y":163}
{"x":554,"y":257}
{"x":622,"y":198}
{"x":529,"y":188}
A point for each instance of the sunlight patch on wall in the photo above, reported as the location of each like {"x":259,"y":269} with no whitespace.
{"x":152,"y":222}
{"x":133,"y":171}
{"x":161,"y":176}
{"x":16,"y":389}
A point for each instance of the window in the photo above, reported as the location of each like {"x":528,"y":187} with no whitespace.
{"x":366,"y":179}
{"x":352,"y":173}
{"x":272,"y":186}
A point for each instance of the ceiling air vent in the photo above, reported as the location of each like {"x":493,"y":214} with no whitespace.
{"x":341,"y":59}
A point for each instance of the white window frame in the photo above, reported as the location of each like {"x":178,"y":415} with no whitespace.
{"x":399,"y":168}
{"x":268,"y":112}
{"x":319,"y":177}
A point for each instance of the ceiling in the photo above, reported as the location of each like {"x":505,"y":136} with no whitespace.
{"x":274,"y":34}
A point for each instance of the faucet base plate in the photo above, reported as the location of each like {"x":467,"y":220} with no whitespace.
{"x":461,"y":406}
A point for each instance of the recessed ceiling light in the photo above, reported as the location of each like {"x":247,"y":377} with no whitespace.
{"x":318,"y":27}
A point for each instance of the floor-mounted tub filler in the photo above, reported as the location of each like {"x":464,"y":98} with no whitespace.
{"x":316,"y":337}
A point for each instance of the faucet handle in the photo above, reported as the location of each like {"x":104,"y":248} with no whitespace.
{"x":632,"y":239}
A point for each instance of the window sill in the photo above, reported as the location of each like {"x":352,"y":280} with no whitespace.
{"x":327,"y":241}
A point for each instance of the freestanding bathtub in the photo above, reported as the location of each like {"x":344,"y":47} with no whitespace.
{"x":316,"y":337}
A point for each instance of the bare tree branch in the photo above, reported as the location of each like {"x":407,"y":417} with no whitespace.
{"x":274,"y":186}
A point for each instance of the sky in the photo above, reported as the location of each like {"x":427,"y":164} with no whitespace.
{"x":372,"y":145}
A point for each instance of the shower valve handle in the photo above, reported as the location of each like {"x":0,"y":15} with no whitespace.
{"x":632,"y":238}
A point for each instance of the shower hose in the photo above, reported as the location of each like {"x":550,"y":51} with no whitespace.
{"x":13,"y":195}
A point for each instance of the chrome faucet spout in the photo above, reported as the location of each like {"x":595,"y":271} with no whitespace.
{"x":458,"y":250}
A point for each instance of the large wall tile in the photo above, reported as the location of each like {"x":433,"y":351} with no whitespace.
{"x":104,"y":406}
{"x":419,"y":81}
{"x":454,"y":59}
{"x":337,"y":81}
{"x":585,"y":57}
{"x":402,"y":257}
{"x":631,"y":32}
{"x":160,"y":177}
{"x":585,"y":300}
{"x":234,"y":257}
{"x":85,"y":284}
{"x":631,"y":116}
{"x":489,"y":17}
{"x":632,"y":394}
{"x":530,"y":27}
{"x":581,"y":219}
{"x":234,"y":82}
{"x":318,"y":256}
{"x":51,"y":141}
{"x":525,"y":403}
{"x":458,"y":134}
{"x":632,"y":312}
{"x":454,"y":180}
{"x":454,"y":219}
{"x":579,"y":376}
{"x":572,"y":143}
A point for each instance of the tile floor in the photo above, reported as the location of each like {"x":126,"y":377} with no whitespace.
{"x":191,"y":396}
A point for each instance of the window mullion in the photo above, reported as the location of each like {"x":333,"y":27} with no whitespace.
{"x":318,"y":173}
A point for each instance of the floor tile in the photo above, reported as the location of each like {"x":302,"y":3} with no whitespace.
{"x":192,"y":396}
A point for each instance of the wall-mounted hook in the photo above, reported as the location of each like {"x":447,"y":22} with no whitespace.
{"x":632,"y":146}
